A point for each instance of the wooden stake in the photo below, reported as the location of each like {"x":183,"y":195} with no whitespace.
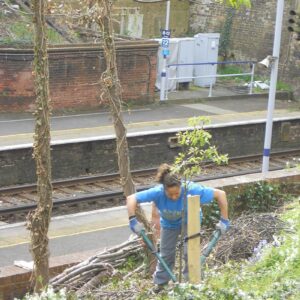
{"x":193,"y":227}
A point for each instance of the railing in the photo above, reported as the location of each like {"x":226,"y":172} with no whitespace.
{"x":252,"y":64}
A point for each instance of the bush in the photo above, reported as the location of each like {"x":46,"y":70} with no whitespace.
{"x":258,"y":197}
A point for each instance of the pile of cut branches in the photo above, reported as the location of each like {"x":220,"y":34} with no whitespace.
{"x":92,"y":272}
{"x":245,"y":234}
{"x":91,"y":275}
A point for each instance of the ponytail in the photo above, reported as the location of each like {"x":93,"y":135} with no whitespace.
{"x":166,"y":177}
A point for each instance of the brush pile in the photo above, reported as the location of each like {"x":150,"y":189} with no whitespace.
{"x":91,"y":275}
{"x":245,"y":234}
{"x":93,"y":271}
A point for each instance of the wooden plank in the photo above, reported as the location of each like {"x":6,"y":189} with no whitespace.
{"x":193,"y":227}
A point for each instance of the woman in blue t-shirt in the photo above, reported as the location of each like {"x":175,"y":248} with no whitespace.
{"x":168,"y":197}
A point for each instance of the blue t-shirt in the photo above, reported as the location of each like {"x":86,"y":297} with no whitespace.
{"x":170,"y":210}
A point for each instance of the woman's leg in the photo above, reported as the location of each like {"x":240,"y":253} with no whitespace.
{"x":168,"y":240}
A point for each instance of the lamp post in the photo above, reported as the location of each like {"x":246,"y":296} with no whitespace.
{"x":273,"y":84}
{"x":165,"y":46}
{"x":165,"y":54}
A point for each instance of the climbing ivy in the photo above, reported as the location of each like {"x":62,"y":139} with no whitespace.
{"x":237,"y":3}
{"x":226,"y":32}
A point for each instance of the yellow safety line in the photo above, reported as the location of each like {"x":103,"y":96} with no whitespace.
{"x":66,"y":235}
{"x":140,"y":124}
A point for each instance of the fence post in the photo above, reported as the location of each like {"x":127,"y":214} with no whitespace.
{"x":210,"y":90}
{"x":252,"y":78}
{"x":167,"y":83}
{"x":193,"y":228}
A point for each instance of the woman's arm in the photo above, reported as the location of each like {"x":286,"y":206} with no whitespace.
{"x":221,"y":198}
{"x":131,"y":205}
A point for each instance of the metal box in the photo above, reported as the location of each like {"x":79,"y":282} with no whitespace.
{"x":185,"y":56}
{"x":181,"y":51}
{"x":206,"y":49}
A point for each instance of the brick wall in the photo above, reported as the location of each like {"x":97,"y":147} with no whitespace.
{"x":74,"y":73}
{"x":252,"y":33}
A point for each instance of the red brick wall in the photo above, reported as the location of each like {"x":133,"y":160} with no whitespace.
{"x":74,"y":73}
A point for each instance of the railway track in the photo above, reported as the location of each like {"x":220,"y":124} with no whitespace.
{"x":95,"y":192}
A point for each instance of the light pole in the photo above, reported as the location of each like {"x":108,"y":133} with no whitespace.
{"x":166,"y":33}
{"x":273,"y":84}
{"x":165,"y":54}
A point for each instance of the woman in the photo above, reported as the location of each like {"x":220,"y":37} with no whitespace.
{"x":168,"y":197}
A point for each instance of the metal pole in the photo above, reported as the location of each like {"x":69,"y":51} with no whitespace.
{"x":273,"y":83}
{"x":167,"y":82}
{"x":164,"y":64}
{"x":252,"y":79}
{"x":210,"y":89}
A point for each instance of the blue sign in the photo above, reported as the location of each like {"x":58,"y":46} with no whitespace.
{"x":166,"y":52}
{"x":165,"y":43}
{"x":166,"y":33}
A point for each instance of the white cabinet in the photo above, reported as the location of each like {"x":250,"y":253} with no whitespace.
{"x":206,"y":49}
{"x":185,"y":56}
{"x":201,"y":48}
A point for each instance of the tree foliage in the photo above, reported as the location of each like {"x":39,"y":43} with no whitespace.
{"x":237,"y":3}
{"x":196,"y":149}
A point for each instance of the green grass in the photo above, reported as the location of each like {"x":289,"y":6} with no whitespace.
{"x":225,"y":70}
{"x":21,"y":33}
{"x":282,"y":86}
{"x":276,"y":276}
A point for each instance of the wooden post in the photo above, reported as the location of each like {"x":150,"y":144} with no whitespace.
{"x":193,"y":227}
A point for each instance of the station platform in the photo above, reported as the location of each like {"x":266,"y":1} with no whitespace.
{"x":91,"y":232}
{"x":96,"y":230}
{"x":16,"y":130}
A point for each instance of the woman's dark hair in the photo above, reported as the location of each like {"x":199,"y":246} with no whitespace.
{"x":166,"y":177}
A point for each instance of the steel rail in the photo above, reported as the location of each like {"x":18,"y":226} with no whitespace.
{"x":113,"y":176}
{"x":118,"y":193}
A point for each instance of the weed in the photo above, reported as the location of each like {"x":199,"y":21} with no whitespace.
{"x":275,"y":276}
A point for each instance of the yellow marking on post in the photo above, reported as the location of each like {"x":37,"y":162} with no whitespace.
{"x":193,"y":227}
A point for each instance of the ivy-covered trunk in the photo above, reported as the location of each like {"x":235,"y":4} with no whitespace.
{"x":110,"y":83}
{"x":38,"y":220}
{"x":111,"y":86}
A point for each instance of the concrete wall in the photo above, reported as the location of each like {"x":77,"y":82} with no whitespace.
{"x":252,"y":33}
{"x":154,"y":15}
{"x":74,"y":73}
{"x":146,"y":151}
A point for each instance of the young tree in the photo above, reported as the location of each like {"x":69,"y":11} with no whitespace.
{"x":196,"y":154}
{"x":38,"y":220}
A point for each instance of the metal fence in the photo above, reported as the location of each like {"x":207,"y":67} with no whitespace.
{"x":252,"y":64}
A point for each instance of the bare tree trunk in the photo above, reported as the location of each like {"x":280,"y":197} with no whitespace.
{"x":38,"y":220}
{"x":112,"y":91}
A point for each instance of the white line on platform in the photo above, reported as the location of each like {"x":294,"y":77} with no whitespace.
{"x":148,"y":132}
{"x":209,"y":108}
{"x":74,"y":116}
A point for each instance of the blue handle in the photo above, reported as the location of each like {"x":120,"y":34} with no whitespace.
{"x":162,"y":261}
{"x":211,"y":245}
